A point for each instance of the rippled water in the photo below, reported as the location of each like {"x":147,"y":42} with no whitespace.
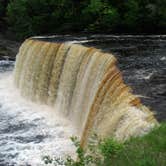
{"x":28,"y":131}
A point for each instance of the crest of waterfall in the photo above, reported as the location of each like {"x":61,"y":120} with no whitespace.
{"x":84,"y":85}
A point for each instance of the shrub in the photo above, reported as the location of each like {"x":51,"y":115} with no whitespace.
{"x":110,"y":147}
{"x":97,"y":153}
{"x":148,"y":150}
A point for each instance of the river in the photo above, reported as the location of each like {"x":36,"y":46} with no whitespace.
{"x":29,"y":131}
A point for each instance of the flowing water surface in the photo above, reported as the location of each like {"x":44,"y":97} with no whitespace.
{"x":141,"y":58}
{"x":28,"y":131}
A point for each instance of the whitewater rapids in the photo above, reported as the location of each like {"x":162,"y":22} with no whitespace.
{"x":29,"y":131}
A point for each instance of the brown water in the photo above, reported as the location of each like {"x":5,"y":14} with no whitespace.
{"x":29,"y":130}
{"x":84,"y":85}
{"x":142,"y":60}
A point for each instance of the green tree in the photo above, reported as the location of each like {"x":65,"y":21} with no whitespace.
{"x":99,"y":15}
{"x":132,"y":14}
{"x":34,"y":17}
{"x":161,"y":14}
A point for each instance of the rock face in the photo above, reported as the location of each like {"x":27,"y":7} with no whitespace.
{"x":8,"y":48}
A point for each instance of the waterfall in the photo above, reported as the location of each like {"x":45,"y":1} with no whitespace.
{"x":84,"y":85}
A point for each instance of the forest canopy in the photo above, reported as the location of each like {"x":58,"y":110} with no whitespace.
{"x":33,"y":17}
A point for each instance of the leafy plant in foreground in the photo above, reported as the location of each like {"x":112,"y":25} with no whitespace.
{"x":96,"y":153}
{"x":148,"y":150}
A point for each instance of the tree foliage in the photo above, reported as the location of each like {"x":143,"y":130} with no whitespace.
{"x":3,"y":6}
{"x":34,"y":17}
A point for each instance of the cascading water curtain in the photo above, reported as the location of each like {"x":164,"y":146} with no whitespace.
{"x":84,"y":85}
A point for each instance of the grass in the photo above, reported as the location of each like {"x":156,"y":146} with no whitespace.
{"x":148,"y":150}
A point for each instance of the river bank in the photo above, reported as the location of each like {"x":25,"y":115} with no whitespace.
{"x":8,"y":48}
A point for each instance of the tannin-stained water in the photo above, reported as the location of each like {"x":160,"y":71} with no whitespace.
{"x":60,"y":90}
{"x":84,"y":85}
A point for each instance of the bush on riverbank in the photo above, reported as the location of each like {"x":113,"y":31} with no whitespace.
{"x":149,"y":150}
{"x":35,"y":17}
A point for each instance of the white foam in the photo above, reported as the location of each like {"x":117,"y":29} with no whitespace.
{"x":39,"y":121}
{"x":163,"y":58}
